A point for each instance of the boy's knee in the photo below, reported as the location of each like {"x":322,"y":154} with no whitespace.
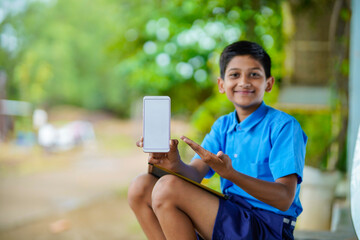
{"x":140,"y":189}
{"x":165,"y":191}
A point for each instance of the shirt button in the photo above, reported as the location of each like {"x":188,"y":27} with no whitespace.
{"x":235,"y":155}
{"x":238,"y":128}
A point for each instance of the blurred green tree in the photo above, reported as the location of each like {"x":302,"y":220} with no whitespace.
{"x":61,"y":58}
{"x":108,"y":54}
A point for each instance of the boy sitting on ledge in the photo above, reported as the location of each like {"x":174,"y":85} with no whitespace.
{"x":258,"y":152}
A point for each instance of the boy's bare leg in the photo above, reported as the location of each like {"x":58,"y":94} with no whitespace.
{"x":139,"y":198}
{"x":180,"y":207}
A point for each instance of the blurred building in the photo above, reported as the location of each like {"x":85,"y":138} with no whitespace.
{"x":308,"y":64}
{"x":6,"y":122}
{"x":322,"y":45}
{"x":9,"y":109}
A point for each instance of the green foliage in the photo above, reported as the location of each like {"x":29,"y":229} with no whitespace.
{"x":317,"y":125}
{"x":107,"y":54}
{"x":209,"y":111}
{"x":62,"y":57}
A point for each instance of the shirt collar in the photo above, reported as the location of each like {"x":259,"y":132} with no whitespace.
{"x":251,"y":120}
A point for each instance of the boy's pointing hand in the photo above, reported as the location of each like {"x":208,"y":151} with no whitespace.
{"x":220,"y":163}
{"x":205,"y":155}
{"x":224,"y":169}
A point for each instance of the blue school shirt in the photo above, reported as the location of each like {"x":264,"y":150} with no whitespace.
{"x":268,"y":144}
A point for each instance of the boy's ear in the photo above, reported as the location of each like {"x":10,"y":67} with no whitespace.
{"x":221,"y":85}
{"x":269,"y":84}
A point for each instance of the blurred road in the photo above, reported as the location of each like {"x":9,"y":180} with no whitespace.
{"x":27,"y":198}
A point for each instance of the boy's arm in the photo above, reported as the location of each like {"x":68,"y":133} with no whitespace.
{"x":279,"y":194}
{"x":196,"y":170}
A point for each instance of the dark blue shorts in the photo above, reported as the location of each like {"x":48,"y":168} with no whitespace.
{"x":237,"y":219}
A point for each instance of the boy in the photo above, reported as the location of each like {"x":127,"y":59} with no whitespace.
{"x":257,"y":151}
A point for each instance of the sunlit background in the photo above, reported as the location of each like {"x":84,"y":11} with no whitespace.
{"x":73,"y":75}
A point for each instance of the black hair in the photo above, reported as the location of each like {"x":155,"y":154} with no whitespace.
{"x":242,"y":48}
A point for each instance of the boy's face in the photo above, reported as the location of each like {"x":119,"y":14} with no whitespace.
{"x":245,"y":83}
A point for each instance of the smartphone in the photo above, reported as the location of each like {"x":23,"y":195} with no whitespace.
{"x":156,"y":123}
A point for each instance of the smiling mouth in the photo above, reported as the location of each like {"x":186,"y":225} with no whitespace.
{"x":244,"y":91}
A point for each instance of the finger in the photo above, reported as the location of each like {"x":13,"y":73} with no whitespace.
{"x":156,"y":155}
{"x":196,"y":147}
{"x":140,"y":143}
{"x":221,"y":156}
{"x":173,"y":144}
{"x":155,"y":160}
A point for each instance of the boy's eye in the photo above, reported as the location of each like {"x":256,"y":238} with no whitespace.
{"x":234,"y":75}
{"x":254,"y":75}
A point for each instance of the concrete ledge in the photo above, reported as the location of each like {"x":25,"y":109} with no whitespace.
{"x":311,"y":235}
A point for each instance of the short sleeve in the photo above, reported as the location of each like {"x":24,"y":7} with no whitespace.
{"x":212,"y":143}
{"x":287,"y":155}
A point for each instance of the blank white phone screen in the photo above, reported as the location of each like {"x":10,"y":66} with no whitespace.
{"x":156,"y":123}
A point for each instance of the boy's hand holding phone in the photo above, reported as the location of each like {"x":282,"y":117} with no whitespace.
{"x":170,"y":160}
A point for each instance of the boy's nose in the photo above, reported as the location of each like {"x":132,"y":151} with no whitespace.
{"x":243,"y":82}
